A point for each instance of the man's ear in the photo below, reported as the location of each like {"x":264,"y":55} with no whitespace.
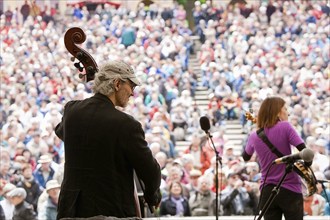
{"x":117,"y":84}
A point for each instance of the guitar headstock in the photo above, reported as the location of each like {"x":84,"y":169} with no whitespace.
{"x":249,"y":116}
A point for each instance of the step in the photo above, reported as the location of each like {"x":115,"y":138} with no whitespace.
{"x":202,"y":102}
{"x":235,"y":136}
{"x":235,"y":142}
{"x":233,"y":127}
{"x":200,"y":97}
{"x":202,"y":92}
{"x":202,"y":88}
{"x":233,"y":131}
{"x":182,"y":143}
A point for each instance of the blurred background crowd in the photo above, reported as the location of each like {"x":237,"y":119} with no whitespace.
{"x":247,"y":52}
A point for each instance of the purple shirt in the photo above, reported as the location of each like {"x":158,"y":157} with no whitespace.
{"x":282,"y":136}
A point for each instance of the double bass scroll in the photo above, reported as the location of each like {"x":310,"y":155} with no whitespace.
{"x":73,"y":36}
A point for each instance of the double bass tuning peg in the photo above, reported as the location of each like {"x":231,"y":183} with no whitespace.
{"x":72,"y":59}
{"x":77,"y":65}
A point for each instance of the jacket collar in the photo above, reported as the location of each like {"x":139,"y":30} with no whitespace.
{"x":103,"y":98}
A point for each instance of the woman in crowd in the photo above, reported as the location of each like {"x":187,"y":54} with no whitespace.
{"x":175,"y":204}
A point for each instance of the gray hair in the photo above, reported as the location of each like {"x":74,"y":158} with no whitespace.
{"x":17,"y":192}
{"x":204,"y":179}
{"x":104,"y":80}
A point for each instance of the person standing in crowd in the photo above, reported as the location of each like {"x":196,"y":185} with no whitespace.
{"x":273,"y":119}
{"x":103,"y":148}
{"x":25,"y":10}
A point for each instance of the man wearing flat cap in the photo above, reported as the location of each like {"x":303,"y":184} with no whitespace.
{"x":103,"y":147}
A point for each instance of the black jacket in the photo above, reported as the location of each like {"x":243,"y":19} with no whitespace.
{"x":168,"y":207}
{"x":24,"y":211}
{"x":102,"y":147}
{"x":33,"y":191}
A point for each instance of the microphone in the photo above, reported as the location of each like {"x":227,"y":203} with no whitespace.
{"x":323,"y":181}
{"x":306,"y":154}
{"x":205,"y":124}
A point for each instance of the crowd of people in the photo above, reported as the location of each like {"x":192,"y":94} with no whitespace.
{"x":248,"y":53}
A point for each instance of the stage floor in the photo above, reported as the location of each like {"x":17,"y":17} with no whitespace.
{"x":230,"y":218}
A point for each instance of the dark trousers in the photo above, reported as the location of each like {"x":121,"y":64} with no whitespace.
{"x":289,"y":203}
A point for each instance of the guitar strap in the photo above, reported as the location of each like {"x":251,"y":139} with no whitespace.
{"x":261,"y":134}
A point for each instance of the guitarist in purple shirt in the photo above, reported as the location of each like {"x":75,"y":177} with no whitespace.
{"x":272,"y":119}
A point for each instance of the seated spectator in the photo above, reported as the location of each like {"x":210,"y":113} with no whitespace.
{"x":320,"y":161}
{"x":200,"y":201}
{"x":323,"y":190}
{"x":200,"y":151}
{"x":234,"y":198}
{"x":176,"y":174}
{"x":215,"y":113}
{"x":253,"y":171}
{"x":28,"y":157}
{"x":178,"y":116}
{"x":6,"y":203}
{"x":166,"y":145}
{"x":48,"y":206}
{"x":193,"y":183}
{"x":30,"y":185}
{"x":314,"y":205}
{"x":222,"y":90}
{"x":45,"y":172}
{"x":222,"y":181}
{"x":2,"y":213}
{"x":231,"y":104}
{"x":175,"y":204}
{"x":23,"y":209}
{"x":187,"y":161}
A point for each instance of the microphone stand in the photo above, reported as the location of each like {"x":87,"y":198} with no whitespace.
{"x":275,"y":191}
{"x":218,"y":160}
